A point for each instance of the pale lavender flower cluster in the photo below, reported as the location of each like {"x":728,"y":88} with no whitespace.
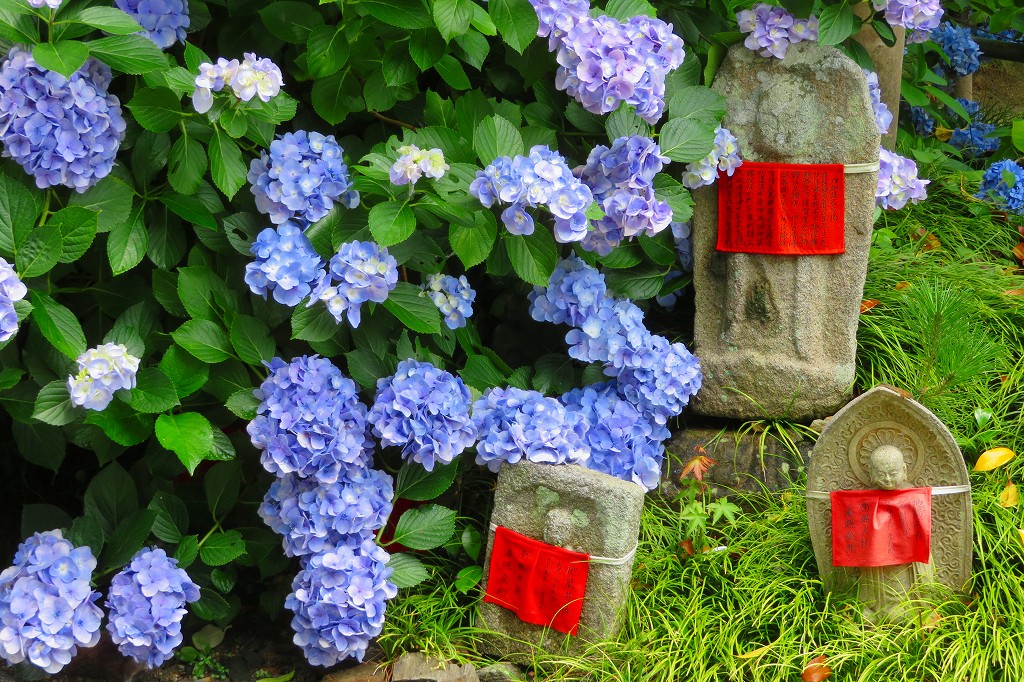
{"x":1003,"y":182}
{"x":164,"y":21}
{"x":360,"y":272}
{"x":724,"y":157}
{"x":623,"y":442}
{"x":414,"y":163}
{"x":621,"y":178}
{"x":62,"y":131}
{"x":515,"y":425}
{"x":47,"y":607}
{"x":146,"y":602}
{"x":556,"y":17}
{"x":102,"y":371}
{"x":920,"y":17}
{"x":52,"y":4}
{"x":883,"y":117}
{"x":452,"y":296}
{"x":253,"y":76}
{"x":540,"y":179}
{"x":286,"y":264}
{"x":310,"y":421}
{"x":957,"y":43}
{"x":425,"y":411}
{"x":898,"y":182}
{"x":771,"y":30}
{"x":301,"y":177}
{"x":12,"y":290}
{"x":684,"y":245}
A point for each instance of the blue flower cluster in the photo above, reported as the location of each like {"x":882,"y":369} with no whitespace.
{"x":623,"y":442}
{"x":164,"y":21}
{"x":102,"y":371}
{"x":919,"y":17}
{"x":974,"y":139}
{"x":47,"y":607}
{"x":339,"y":598}
{"x":897,"y":181}
{"x":923,"y":122}
{"x":286,"y":264}
{"x":146,"y":602}
{"x":557,"y":17}
{"x":310,"y":421}
{"x":957,"y":43}
{"x":62,"y":131}
{"x":771,"y":30}
{"x":883,"y":117}
{"x":724,"y":156}
{"x":574,"y":294}
{"x":312,"y":516}
{"x":453,"y":297}
{"x":301,"y":177}
{"x":540,"y":179}
{"x":12,"y":290}
{"x":425,"y":411}
{"x":515,"y":424}
{"x":995,"y":187}
{"x":684,"y":245}
{"x":360,"y":272}
{"x":621,"y":178}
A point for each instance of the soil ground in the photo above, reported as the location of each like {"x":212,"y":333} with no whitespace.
{"x":999,"y":86}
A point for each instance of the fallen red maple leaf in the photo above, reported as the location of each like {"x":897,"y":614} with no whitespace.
{"x":816,"y":670}
{"x":698,"y":466}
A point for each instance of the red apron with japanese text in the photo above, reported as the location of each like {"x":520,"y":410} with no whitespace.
{"x":881,"y":527}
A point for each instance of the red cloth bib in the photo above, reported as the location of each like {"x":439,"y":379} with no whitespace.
{"x":540,"y":583}
{"x":782,"y":209}
{"x":881,"y":527}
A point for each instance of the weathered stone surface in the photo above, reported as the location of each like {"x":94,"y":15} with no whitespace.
{"x":501,"y":672}
{"x":776,"y":335}
{"x":581,"y":510}
{"x":366,"y":672}
{"x":420,"y":668}
{"x":842,"y":459}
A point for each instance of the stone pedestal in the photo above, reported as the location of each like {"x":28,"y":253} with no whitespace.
{"x":776,"y":335}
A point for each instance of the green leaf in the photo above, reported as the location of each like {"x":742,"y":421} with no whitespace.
{"x":480,"y":373}
{"x":110,"y":497}
{"x":189,"y":435}
{"x":58,"y":324}
{"x":496,"y":137}
{"x":1017,"y":134}
{"x":252,"y":340}
{"x":40,"y":252}
{"x":516,"y":20}
{"x":624,"y":10}
{"x":313,"y":323}
{"x":77,"y":227}
{"x":473,"y":48}
{"x":186,"y":165}
{"x":659,"y":248}
{"x":108,"y":19}
{"x":156,"y":109}
{"x":226,"y":164}
{"x":211,"y":606}
{"x":18,"y":212}
{"x":190,"y":209}
{"x":835,"y":23}
{"x":171,"y":522}
{"x":406,"y":14}
{"x":222,"y":484}
{"x":128,"y":538}
{"x":243,"y":404}
{"x":473,"y":244}
{"x":416,"y":483}
{"x":222,"y":548}
{"x":391,"y":222}
{"x":426,"y":527}
{"x":186,"y":372}
{"x":40,"y":444}
{"x":127,"y":243}
{"x":337,"y":96}
{"x":698,"y":103}
{"x":122,"y":424}
{"x":86,"y":531}
{"x":110,"y":197}
{"x":327,"y":50}
{"x":197,"y":288}
{"x":624,"y":122}
{"x":452,"y":17}
{"x":64,"y":56}
{"x":468,"y":578}
{"x":413,"y":309}
{"x":408,"y":571}
{"x":204,"y":339}
{"x":154,"y":392}
{"x":187,"y":551}
{"x":132,"y":54}
{"x":533,"y":256}
{"x":366,"y":367}
{"x":291,"y":21}
{"x":426,"y":47}
{"x":53,"y":405}
{"x":685,"y":140}
{"x":450,"y":69}
{"x":637,"y":283}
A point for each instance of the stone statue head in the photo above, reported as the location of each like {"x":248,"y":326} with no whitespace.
{"x":887,"y":468}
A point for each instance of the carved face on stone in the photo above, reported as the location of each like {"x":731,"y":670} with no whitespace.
{"x":887,"y":468}
{"x":563,"y":518}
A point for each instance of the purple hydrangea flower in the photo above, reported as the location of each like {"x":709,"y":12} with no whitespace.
{"x":62,"y":131}
{"x":47,"y":607}
{"x":898,"y":182}
{"x":1003,"y":183}
{"x":310,"y":421}
{"x":146,"y":602}
{"x":556,"y":17}
{"x":339,"y":598}
{"x":301,"y":177}
{"x":724,"y":156}
{"x":414,"y":163}
{"x":771,"y":30}
{"x":360,"y":272}
{"x":102,"y":371}
{"x":313,"y":516}
{"x":52,"y":4}
{"x":286,"y":264}
{"x":453,"y":297}
{"x":515,"y":424}
{"x":425,"y":411}
{"x":964,"y":54}
{"x":574,"y":293}
{"x":684,"y":245}
{"x":164,"y":21}
{"x":12,"y":289}
{"x":920,"y":17}
{"x":883,"y":117}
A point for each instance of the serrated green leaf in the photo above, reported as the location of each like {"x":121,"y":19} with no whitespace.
{"x":156,"y":109}
{"x":63,"y":56}
{"x":110,"y":197}
{"x":53,"y":404}
{"x":189,"y":435}
{"x":186,"y":372}
{"x":127,"y":243}
{"x":226,"y":164}
{"x":452,"y":17}
{"x":186,"y":165}
{"x":108,"y":19}
{"x":132,"y":54}
{"x":413,"y":309}
{"x":187,"y":551}
{"x":110,"y":497}
{"x":290,"y":20}
{"x":154,"y":392}
{"x":416,"y":483}
{"x":252,"y":340}
{"x":408,"y":14}
{"x":77,"y":227}
{"x":480,"y":373}
{"x":327,"y":50}
{"x":698,"y":103}
{"x":516,"y":20}
{"x":122,"y":424}
{"x":204,"y":339}
{"x":313,"y":323}
{"x":243,"y":404}
{"x":624,"y":10}
{"x":835,"y":23}
{"x":222,"y":548}
{"x":391,"y":222}
{"x":128,"y":538}
{"x":495,"y":137}
{"x":407,"y":570}
{"x":40,"y":251}
{"x":685,"y":140}
{"x":473,"y":244}
{"x":451,"y":71}
{"x":426,"y":527}
{"x":533,"y":256}
{"x":18,"y":212}
{"x":337,"y":96}
{"x":171,"y":522}
{"x":58,"y":324}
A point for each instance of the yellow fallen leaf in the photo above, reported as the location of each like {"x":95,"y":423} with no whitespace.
{"x":943,"y":133}
{"x":761,"y":649}
{"x":1010,"y":497}
{"x":991,"y":459}
{"x":1021,"y":531}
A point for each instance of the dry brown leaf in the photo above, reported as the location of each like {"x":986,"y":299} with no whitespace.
{"x":930,"y":241}
{"x":900,"y":286}
{"x":1018,"y":251}
{"x":816,"y":670}
{"x":1014,"y":292}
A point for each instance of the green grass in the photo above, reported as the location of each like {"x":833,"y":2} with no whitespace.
{"x":951,"y":337}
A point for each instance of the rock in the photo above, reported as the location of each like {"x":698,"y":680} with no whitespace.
{"x":365,"y":672}
{"x":776,"y":335}
{"x":417,"y":667}
{"x":501,"y":672}
{"x":571,"y":507}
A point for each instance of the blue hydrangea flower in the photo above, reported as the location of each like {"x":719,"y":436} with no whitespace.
{"x":286,"y":264}
{"x":724,"y":156}
{"x":313,"y":516}
{"x":975,"y":139}
{"x":301,"y":177}
{"x":920,"y":17}
{"x":453,"y":297}
{"x":414,"y":163}
{"x":146,"y":602}
{"x":923,"y":122}
{"x":684,"y":245}
{"x":339,"y":598}
{"x":612,"y":334}
{"x":102,"y":371}
{"x":164,"y":21}
{"x":310,"y":421}
{"x":623,"y":441}
{"x":425,"y":411}
{"x":12,"y":289}
{"x":898,"y":182}
{"x":957,"y":43}
{"x":540,"y":179}
{"x":47,"y":607}
{"x":771,"y":30}
{"x":1003,"y":183}
{"x":52,"y":4}
{"x":659,"y":378}
{"x":574,"y":293}
{"x":62,"y":131}
{"x":883,"y":117}
{"x":360,"y":272}
{"x":515,"y":424}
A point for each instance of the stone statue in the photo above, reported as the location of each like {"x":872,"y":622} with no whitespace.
{"x":885,"y":441}
{"x":577,"y":509}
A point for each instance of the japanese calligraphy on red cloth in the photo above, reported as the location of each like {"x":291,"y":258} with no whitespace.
{"x":881,"y":527}
{"x":540,"y":583}
{"x":782,"y":209}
